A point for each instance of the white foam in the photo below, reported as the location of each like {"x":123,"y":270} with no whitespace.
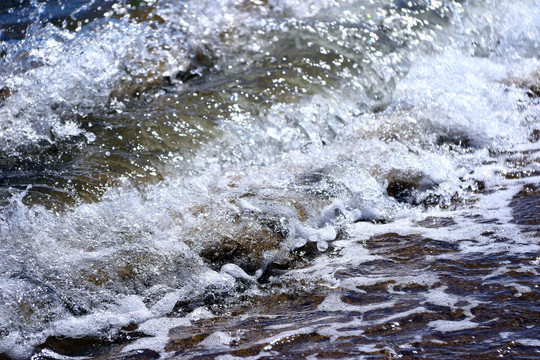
{"x":144,"y":245}
{"x":49,"y":354}
{"x":451,"y":326}
{"x":352,"y":327}
{"x":54,"y":73}
{"x":439,"y":297}
{"x":529,"y":342}
{"x":158,"y":329}
{"x":217,"y":340}
{"x":200,"y":313}
{"x":388,"y":319}
{"x":284,"y":335}
{"x":333,"y":302}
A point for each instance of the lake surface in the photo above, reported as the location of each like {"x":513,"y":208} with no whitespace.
{"x":264,"y":179}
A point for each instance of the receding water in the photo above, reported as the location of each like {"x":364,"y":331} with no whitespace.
{"x":269,"y":179}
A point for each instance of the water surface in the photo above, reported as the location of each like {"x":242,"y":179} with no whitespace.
{"x":269,"y":179}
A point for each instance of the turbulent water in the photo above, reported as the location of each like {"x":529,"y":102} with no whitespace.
{"x":269,"y":179}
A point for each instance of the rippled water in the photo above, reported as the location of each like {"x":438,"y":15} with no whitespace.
{"x":269,"y":179}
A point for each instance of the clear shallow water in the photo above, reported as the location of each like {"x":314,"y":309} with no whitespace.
{"x":363,"y":175}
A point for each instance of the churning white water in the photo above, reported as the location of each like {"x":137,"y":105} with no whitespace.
{"x":162,"y":161}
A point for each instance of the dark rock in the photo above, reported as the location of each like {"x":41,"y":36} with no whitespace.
{"x":456,"y":140}
{"x":526,"y":205}
{"x":257,"y":234}
{"x":408,"y":187}
{"x":143,"y":354}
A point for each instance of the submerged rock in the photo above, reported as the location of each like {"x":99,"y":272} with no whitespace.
{"x":257,"y":238}
{"x":409,"y":187}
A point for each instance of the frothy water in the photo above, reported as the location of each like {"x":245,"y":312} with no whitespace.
{"x":327,"y":179}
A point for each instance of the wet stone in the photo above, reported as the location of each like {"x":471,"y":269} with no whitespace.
{"x":143,"y":354}
{"x":77,"y":347}
{"x":4,"y":94}
{"x":533,"y":91}
{"x":409,"y":188}
{"x":256,"y":237}
{"x":290,"y":324}
{"x":535,"y":135}
{"x":526,"y":205}
{"x":178,"y":344}
{"x":457,"y":141}
{"x":521,"y":174}
{"x":437,"y":222}
{"x":406,"y":248}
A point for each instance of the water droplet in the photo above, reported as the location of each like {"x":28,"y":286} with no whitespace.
{"x":322,"y":245}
